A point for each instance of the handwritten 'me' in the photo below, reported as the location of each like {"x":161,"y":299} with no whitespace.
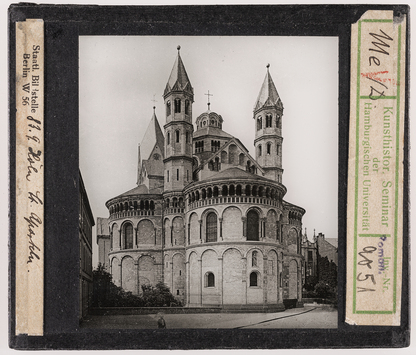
{"x":381,"y":46}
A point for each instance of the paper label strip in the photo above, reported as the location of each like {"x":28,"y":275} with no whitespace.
{"x":375,"y":170}
{"x":29,"y":176}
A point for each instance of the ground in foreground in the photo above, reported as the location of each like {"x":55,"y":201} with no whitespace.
{"x":307,"y":317}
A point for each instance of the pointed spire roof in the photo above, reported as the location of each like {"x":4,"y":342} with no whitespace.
{"x":268,"y":95}
{"x":178,"y":79}
{"x":152,"y":137}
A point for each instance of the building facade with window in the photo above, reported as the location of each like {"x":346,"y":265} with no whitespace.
{"x":86,"y":223}
{"x":206,"y":217}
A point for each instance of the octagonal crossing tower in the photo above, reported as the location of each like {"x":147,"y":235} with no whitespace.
{"x":268,"y":112}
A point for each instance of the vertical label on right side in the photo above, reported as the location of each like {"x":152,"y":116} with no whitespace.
{"x":375,"y":170}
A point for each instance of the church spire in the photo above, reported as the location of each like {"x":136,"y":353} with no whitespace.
{"x":268,"y":112}
{"x":178,"y":98}
{"x":268,"y":96}
{"x":178,"y":79}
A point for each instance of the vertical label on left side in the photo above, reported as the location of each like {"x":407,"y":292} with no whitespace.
{"x":29,"y":176}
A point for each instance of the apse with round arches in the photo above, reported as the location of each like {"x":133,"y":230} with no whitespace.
{"x":254,"y":279}
{"x":209,"y":279}
{"x":234,"y":190}
{"x":146,"y":205}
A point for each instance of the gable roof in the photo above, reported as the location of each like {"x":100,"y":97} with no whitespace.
{"x":153,"y":136}
{"x":268,"y":96}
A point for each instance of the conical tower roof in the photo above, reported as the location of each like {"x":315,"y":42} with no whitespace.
{"x":178,"y":79}
{"x":268,"y":96}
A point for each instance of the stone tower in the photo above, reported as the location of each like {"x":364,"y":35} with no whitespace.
{"x":268,"y":112}
{"x":178,"y":99}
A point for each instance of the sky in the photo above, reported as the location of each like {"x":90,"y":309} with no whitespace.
{"x":122,"y":78}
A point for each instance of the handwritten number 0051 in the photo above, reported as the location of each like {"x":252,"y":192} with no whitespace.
{"x":366,"y":261}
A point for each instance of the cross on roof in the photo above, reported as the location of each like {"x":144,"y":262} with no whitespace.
{"x":208,"y":98}
{"x":154,"y":101}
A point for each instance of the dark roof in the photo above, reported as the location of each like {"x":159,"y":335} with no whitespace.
{"x":140,"y":189}
{"x":236,"y":173}
{"x":211,"y":131}
{"x":291,"y":205}
{"x":332,"y":241}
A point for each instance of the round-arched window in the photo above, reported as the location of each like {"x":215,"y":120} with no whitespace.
{"x":209,"y":279}
{"x":254,"y":279}
{"x":211,"y":227}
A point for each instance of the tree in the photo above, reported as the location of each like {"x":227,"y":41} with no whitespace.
{"x":159,"y":296}
{"x":325,"y":284}
{"x":107,"y":294}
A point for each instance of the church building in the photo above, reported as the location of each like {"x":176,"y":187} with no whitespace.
{"x":206,"y":217}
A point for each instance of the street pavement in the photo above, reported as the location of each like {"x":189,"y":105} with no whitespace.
{"x":310,"y":316}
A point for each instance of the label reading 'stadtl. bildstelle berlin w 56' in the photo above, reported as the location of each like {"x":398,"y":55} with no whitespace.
{"x":29,"y":176}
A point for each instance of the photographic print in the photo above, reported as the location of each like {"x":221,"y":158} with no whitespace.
{"x":209,"y":182}
{"x":197,"y":177}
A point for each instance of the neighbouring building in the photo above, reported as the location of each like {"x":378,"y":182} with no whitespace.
{"x":86,"y":222}
{"x":309,"y":253}
{"x":312,"y":251}
{"x":206,"y":217}
{"x":103,"y":242}
{"x":327,"y":247}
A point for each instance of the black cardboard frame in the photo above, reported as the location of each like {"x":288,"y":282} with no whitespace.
{"x":63,"y":25}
